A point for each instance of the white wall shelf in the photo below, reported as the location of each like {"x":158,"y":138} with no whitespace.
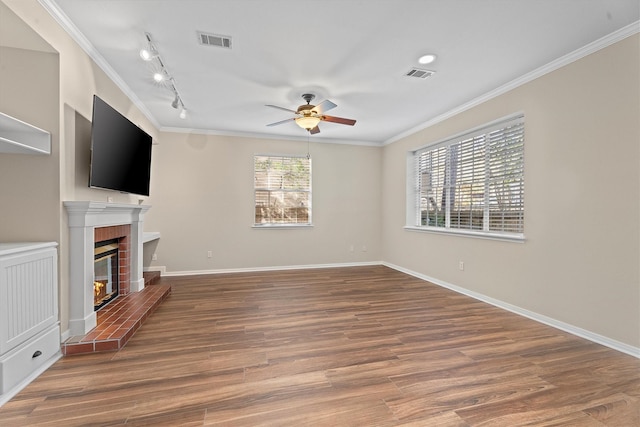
{"x":18,"y":137}
{"x":150,"y":236}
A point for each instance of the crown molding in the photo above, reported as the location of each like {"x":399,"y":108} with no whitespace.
{"x":256,"y":135}
{"x":577,"y":54}
{"x":63,"y":20}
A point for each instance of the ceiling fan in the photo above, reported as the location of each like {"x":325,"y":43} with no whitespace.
{"x":308,"y":116}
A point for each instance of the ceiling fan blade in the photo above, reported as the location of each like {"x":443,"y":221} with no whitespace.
{"x":281,"y":108}
{"x":325,"y":105}
{"x":314,"y":130}
{"x":340,"y":120}
{"x":281,"y":122}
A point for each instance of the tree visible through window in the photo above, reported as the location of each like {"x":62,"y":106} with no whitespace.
{"x":475,"y":182}
{"x":282,"y":187}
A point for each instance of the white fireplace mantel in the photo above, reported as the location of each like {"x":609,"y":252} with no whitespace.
{"x":84,"y":217}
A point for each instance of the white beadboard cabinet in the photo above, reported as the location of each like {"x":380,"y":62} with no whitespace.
{"x":29,"y":325}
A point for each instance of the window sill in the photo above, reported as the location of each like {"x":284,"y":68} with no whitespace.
{"x":280,"y":226}
{"x":517,"y":238}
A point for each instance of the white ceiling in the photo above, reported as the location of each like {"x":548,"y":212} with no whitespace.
{"x":353,"y":52}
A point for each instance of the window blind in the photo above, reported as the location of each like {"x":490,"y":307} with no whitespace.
{"x":474,"y":182}
{"x":282,"y":190}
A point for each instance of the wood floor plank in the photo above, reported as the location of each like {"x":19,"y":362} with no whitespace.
{"x":618,"y":413}
{"x":358,"y":346}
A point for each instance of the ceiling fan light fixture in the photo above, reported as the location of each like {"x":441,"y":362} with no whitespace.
{"x":307,"y":122}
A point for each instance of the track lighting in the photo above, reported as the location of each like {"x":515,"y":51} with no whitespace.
{"x":150,"y":53}
{"x":177,"y":103}
{"x":147,"y":54}
{"x":158,"y":76}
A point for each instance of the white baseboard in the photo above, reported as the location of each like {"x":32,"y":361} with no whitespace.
{"x":136,"y":285}
{"x":161,"y":268}
{"x":566,"y":327}
{"x":277,"y":268}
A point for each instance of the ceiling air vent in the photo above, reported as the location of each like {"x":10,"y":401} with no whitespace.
{"x":214,"y":40}
{"x":421,"y":74}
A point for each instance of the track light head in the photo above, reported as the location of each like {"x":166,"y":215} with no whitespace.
{"x":147,"y":54}
{"x":176,"y":102}
{"x":158,"y":76}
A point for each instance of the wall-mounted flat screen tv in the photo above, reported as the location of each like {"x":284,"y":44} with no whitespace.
{"x":120,"y":152}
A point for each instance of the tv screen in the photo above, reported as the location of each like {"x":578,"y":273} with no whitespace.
{"x":120,"y":152}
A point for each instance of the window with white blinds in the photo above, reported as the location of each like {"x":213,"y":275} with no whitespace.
{"x":473,"y":183}
{"x":282,"y":190}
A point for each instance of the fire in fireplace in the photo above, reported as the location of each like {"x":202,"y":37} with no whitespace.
{"x":106,"y":273}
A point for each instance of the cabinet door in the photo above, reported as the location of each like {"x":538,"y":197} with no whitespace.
{"x":28,"y":295}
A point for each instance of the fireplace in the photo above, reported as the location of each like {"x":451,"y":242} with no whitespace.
{"x":91,"y":222}
{"x":106,"y":273}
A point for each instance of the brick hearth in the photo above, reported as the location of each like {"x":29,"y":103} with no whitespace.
{"x":120,"y":319}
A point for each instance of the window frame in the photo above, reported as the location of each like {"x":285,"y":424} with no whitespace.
{"x":414,"y":208}
{"x":256,"y":190}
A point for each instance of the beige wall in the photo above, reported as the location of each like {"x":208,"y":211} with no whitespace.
{"x":53,"y":91}
{"x":29,"y":188}
{"x":579,"y":264}
{"x":202,"y":198}
{"x":29,"y":91}
{"x":580,"y":261}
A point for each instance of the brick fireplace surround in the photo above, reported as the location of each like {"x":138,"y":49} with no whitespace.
{"x":123,"y":234}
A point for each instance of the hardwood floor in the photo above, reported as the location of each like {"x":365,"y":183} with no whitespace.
{"x":362,"y":346}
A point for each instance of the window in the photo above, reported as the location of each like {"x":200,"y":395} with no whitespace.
{"x":472,"y":184}
{"x":282,"y":188}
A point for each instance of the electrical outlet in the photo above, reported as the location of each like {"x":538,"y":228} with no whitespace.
{"x":364,"y":248}
{"x":461,"y":265}
{"x":209,"y":254}
{"x":109,"y":199}
{"x":351,"y":248}
{"x":154,"y":257}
